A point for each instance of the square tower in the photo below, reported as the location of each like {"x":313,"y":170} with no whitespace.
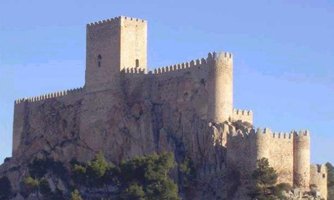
{"x":113,"y":45}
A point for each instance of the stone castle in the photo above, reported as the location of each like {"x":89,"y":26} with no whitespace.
{"x":126,"y":110}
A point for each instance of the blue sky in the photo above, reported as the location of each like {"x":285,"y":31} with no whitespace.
{"x":283,"y":54}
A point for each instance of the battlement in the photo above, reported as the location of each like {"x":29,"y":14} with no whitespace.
{"x":133,"y":70}
{"x":115,"y":20}
{"x":49,"y":96}
{"x":182,"y":66}
{"x":190,"y":64}
{"x":242,"y":115}
{"x":268,"y":133}
{"x":242,"y":112}
{"x":320,"y":169}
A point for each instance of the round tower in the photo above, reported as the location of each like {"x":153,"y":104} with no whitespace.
{"x":220,"y":87}
{"x":301,"y":159}
{"x":263,"y":143}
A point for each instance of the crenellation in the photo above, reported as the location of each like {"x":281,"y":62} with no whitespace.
{"x":104,"y":22}
{"x":243,"y":115}
{"x":133,"y":70}
{"x":184,"y":65}
{"x":48,"y":96}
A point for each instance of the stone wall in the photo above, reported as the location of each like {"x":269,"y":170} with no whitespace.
{"x":282,"y":150}
{"x":44,"y":116}
{"x":170,"y":102}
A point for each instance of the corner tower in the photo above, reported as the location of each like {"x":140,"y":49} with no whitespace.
{"x":111,"y":46}
{"x":301,"y":148}
{"x":220,"y":87}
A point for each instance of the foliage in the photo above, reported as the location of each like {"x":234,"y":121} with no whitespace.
{"x":97,"y":167}
{"x":75,"y":195}
{"x":134,"y":191}
{"x":187,"y":172}
{"x":41,"y":187}
{"x":280,"y":188}
{"x":145,"y":177}
{"x":95,"y":173}
{"x":148,"y":174}
{"x":31,"y":184}
{"x":330,"y":179}
{"x":5,"y":188}
{"x":265,"y":177}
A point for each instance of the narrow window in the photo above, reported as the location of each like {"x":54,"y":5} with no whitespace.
{"x":137,"y":63}
{"x":99,"y":59}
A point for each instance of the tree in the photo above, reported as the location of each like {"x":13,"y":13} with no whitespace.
{"x":265,"y":177}
{"x":134,"y":191}
{"x":144,"y":177}
{"x":98,"y":166}
{"x":148,"y":176}
{"x":5,"y":188}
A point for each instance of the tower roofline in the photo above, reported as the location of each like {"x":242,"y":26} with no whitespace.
{"x":115,"y":20}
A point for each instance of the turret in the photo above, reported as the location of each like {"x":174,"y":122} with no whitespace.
{"x":263,"y":139}
{"x":301,"y":159}
{"x":319,"y":179}
{"x":220,"y":87}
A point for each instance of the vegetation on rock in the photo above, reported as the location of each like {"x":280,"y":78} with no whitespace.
{"x":143,"y":177}
{"x":265,"y":179}
{"x":75,"y":195}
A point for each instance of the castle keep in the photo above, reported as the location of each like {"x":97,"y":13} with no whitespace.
{"x":126,"y":110}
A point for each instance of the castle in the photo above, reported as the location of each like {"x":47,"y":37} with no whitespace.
{"x":125,"y":110}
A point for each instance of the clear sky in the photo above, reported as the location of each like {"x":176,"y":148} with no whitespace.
{"x":283,"y":54}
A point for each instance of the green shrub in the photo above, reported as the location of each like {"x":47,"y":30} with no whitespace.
{"x":75,"y":195}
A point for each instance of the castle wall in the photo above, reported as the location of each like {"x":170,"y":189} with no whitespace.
{"x":319,"y":178}
{"x":243,"y":149}
{"x":45,"y":119}
{"x":280,"y":155}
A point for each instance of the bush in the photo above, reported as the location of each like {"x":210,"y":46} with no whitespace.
{"x":134,"y":191}
{"x":31,"y":184}
{"x":97,"y":167}
{"x":75,"y":195}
